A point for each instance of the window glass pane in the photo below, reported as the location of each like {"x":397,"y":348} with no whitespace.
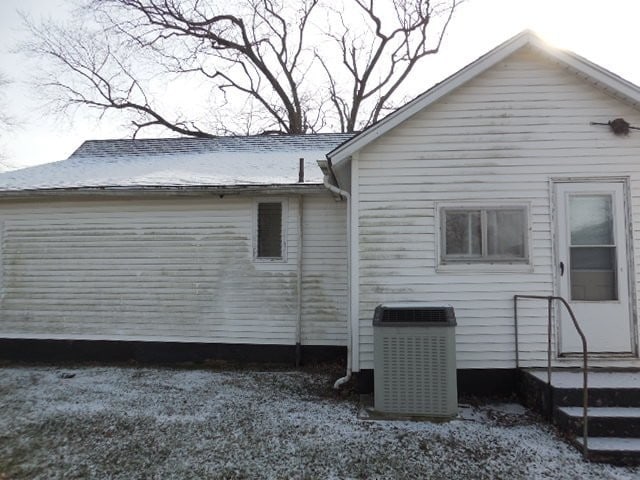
{"x":457,"y":233}
{"x":591,"y":219}
{"x":270,"y":230}
{"x":476,"y":233}
{"x":506,"y":233}
{"x":593,"y":273}
{"x":463,"y":233}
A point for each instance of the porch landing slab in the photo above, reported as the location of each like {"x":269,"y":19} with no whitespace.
{"x":573,"y":379}
{"x":607,"y":412}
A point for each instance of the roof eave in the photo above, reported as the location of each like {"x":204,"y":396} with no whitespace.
{"x":600,"y":76}
{"x":159,"y":190}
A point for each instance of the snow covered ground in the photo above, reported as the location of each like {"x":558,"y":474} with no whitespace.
{"x":162,"y":423}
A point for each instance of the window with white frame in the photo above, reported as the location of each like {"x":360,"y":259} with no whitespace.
{"x":485,"y":234}
{"x":269,"y":242}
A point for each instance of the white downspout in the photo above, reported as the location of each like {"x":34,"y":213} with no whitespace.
{"x":332,"y":188}
{"x":299,"y":280}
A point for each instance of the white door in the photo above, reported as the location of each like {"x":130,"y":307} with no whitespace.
{"x":593,"y":266}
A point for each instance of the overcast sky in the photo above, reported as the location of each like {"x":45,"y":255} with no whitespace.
{"x":605,"y":32}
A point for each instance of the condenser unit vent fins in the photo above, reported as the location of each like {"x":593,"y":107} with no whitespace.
{"x":415,"y":315}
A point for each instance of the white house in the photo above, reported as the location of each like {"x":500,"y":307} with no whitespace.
{"x":175,"y":249}
{"x":495,"y":182}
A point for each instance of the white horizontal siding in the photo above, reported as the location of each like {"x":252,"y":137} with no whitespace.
{"x":324,"y":281}
{"x":499,"y":138}
{"x":175,"y":270}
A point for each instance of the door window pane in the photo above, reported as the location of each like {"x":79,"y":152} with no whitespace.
{"x":593,"y":258}
{"x":591,"y":219}
{"x":592,"y":266}
{"x":506,"y":233}
{"x":593,"y":273}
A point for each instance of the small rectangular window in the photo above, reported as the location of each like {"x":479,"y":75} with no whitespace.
{"x":484,"y":234}
{"x":269,"y":230}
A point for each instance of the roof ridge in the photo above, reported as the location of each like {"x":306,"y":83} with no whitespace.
{"x":193,"y":145}
{"x":219,"y":137}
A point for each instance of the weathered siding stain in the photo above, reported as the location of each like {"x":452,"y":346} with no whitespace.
{"x":501,"y":137}
{"x":324,"y":281}
{"x":176,"y":270}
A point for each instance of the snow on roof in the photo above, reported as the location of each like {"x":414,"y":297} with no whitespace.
{"x":167,"y":162}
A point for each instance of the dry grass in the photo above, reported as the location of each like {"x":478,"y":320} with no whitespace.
{"x":129,"y":423}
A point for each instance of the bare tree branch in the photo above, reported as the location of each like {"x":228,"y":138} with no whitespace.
{"x":7,"y":122}
{"x":391,"y":56}
{"x":267,"y":65}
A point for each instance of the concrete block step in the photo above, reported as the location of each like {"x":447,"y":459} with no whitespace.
{"x":598,"y":397}
{"x":606,"y":388}
{"x":602,"y":422}
{"x":615,"y":450}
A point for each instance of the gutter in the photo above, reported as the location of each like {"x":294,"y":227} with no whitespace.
{"x":345,"y":195}
{"x":162,"y":190}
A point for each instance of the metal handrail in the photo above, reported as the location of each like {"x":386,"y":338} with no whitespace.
{"x":585,"y":393}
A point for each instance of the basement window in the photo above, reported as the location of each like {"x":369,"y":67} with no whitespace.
{"x":269,"y":242}
{"x":484,"y":235}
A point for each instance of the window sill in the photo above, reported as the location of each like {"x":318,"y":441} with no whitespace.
{"x":474,"y":268}
{"x":269,"y":260}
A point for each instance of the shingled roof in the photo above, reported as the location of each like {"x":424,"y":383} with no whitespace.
{"x":246,"y":144}
{"x":181,"y":162}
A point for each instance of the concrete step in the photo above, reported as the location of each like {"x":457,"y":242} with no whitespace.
{"x":614,"y":410}
{"x":606,"y":388}
{"x":597,"y":378}
{"x":615,"y":450}
{"x":602,"y":422}
{"x":598,"y":397}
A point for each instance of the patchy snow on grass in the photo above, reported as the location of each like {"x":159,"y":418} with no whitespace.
{"x":125,"y":423}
